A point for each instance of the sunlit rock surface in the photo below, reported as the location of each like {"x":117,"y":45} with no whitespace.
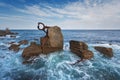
{"x":80,"y":49}
{"x":104,"y":50}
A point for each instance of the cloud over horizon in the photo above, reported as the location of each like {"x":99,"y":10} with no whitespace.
{"x":89,"y":14}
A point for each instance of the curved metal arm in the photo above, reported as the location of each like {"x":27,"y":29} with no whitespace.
{"x":44,"y":28}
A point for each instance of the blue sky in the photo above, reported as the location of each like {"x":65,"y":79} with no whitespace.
{"x":68,"y":14}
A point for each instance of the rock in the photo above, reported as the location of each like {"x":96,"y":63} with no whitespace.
{"x":80,"y":49}
{"x":86,"y":54}
{"x":77,"y":45}
{"x":25,"y":42}
{"x":27,"y":62}
{"x":55,"y":37}
{"x":51,"y":42}
{"x":6,"y":32}
{"x":2,"y":33}
{"x":32,"y":50}
{"x":46,"y":50}
{"x":14,"y":47}
{"x":104,"y":50}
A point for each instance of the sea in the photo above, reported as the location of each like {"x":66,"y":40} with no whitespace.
{"x":57,"y":65}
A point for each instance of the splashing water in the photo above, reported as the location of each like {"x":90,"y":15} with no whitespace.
{"x":57,"y":65}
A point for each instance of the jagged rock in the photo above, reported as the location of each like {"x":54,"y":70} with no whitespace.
{"x":25,"y":42}
{"x":87,"y":54}
{"x":47,"y":50}
{"x":55,"y":37}
{"x":32,"y":50}
{"x":51,"y":42}
{"x":77,"y":45}
{"x":80,"y":49}
{"x":14,"y":47}
{"x":6,"y":32}
{"x":106,"y":51}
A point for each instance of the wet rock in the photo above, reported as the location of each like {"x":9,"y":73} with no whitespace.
{"x":87,"y":54}
{"x":32,"y":50}
{"x":51,"y":42}
{"x":24,"y":42}
{"x":27,"y":62}
{"x":55,"y":37}
{"x":14,"y":47}
{"x":77,"y":45}
{"x":80,"y":49}
{"x":104,"y":50}
{"x":47,"y":50}
{"x":6,"y":32}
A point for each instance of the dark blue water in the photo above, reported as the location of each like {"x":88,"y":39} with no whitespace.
{"x":56,"y":66}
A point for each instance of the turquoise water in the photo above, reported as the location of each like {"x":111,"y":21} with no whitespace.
{"x":57,"y":65}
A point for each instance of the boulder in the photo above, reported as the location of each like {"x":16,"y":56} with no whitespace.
{"x":32,"y":50}
{"x":78,"y":45}
{"x":87,"y":54}
{"x":14,"y":47}
{"x":104,"y":50}
{"x":55,"y":37}
{"x":51,"y":42}
{"x":80,"y":49}
{"x":24,"y":42}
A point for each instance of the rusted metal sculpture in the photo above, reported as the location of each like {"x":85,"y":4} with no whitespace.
{"x":42,"y":27}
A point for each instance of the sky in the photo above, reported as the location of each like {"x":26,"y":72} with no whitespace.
{"x":67,"y":14}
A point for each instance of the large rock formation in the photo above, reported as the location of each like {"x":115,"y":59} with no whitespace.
{"x":106,"y":51}
{"x":55,"y":37}
{"x":51,"y":42}
{"x":32,"y":50}
{"x":80,"y":49}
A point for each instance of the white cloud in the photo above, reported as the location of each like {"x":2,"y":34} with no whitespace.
{"x":76,"y":15}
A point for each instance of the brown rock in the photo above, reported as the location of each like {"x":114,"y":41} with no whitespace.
{"x":14,"y":47}
{"x":6,"y":32}
{"x":80,"y":49}
{"x":47,"y":50}
{"x":77,"y":45}
{"x":86,"y":54}
{"x":32,"y":50}
{"x":106,"y":51}
{"x":55,"y":37}
{"x":51,"y":42}
{"x":44,"y":41}
{"x":25,"y":42}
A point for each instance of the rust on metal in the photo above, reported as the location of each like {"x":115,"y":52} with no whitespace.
{"x":42,"y":27}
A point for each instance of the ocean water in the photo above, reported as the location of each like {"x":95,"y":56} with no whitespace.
{"x":57,"y":65}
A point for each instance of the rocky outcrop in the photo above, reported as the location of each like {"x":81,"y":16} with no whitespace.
{"x":32,"y":50}
{"x":80,"y":49}
{"x":14,"y":47}
{"x":6,"y":32}
{"x":51,"y":42}
{"x":23,"y":42}
{"x":55,"y":37}
{"x":104,"y":50}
